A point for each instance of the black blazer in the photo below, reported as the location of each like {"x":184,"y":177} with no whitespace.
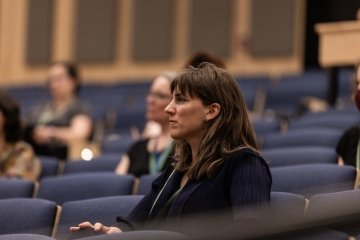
{"x":242,"y":179}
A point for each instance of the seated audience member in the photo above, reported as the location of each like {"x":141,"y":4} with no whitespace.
{"x":53,"y":126}
{"x":152,"y":154}
{"x":349,"y":146}
{"x":202,"y":56}
{"x":17,"y":158}
{"x":217,"y":165}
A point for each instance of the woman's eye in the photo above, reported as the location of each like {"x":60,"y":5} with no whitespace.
{"x":180,"y":99}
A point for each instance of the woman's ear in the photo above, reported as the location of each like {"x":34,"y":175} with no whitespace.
{"x":213,"y":111}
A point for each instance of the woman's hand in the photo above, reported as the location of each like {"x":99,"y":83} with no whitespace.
{"x":43,"y":134}
{"x":97,"y":227}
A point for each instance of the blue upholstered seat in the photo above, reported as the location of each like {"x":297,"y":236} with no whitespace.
{"x":27,"y":215}
{"x":80,"y":186}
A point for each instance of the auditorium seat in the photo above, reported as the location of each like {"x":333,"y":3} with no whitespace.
{"x":339,"y":209}
{"x":24,"y":236}
{"x":299,"y":155}
{"x":145,"y":182}
{"x":311,"y":179}
{"x":27,"y":215}
{"x":49,"y":166}
{"x":104,"y":210}
{"x":303,"y":137}
{"x":80,"y":186}
{"x":104,"y":163}
{"x":16,"y":188}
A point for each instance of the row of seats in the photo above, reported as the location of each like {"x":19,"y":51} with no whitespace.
{"x":285,"y":94}
{"x":61,"y":189}
{"x":332,"y":118}
{"x":275,"y":156}
{"x":312,"y":129}
{"x":126,"y":101}
{"x":305,"y":179}
{"x":38,"y":216}
{"x":52,"y":167}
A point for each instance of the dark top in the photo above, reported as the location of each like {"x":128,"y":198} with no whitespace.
{"x":43,"y":115}
{"x":139,"y":157}
{"x":347,"y":145}
{"x":243,"y":179}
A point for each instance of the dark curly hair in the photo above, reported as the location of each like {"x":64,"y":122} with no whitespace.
{"x":12,"y":122}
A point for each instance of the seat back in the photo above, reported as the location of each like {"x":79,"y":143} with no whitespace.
{"x":303,"y":137}
{"x":104,"y":210}
{"x":341,"y":210}
{"x":16,"y":188}
{"x":27,"y":215}
{"x":143,"y":235}
{"x":80,"y":186}
{"x":265,"y":126}
{"x":285,"y":96}
{"x":145,"y":183}
{"x":49,"y":166}
{"x":311,"y":179}
{"x":24,"y":236}
{"x":286,"y":207}
{"x":321,"y":206}
{"x":117,"y":144}
{"x":103,"y":163}
{"x":299,"y":155}
{"x":340,"y":122}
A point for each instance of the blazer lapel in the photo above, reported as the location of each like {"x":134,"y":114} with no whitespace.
{"x":177,"y":207}
{"x":165,"y":194}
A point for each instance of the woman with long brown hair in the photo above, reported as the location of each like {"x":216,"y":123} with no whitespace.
{"x":217,"y":164}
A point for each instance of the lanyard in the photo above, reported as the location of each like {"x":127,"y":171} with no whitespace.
{"x":157,"y":163}
{"x":162,"y":189}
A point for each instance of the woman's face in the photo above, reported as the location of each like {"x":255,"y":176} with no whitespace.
{"x":159,"y":97}
{"x":60,"y":83}
{"x":187,"y":116}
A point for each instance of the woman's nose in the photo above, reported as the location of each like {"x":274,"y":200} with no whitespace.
{"x":169,"y":108}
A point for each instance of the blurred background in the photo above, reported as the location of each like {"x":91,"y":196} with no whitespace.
{"x":133,"y":40}
{"x":270,"y":46}
{"x":300,"y":104}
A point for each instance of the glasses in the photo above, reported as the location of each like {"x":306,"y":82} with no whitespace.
{"x":159,"y":95}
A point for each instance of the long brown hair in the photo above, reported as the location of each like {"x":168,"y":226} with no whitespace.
{"x":227,"y":132}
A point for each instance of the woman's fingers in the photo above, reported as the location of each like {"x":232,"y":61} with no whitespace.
{"x":74,"y":229}
{"x":114,"y":230}
{"x":81,"y":226}
{"x":99,"y":227}
{"x":86,"y":225}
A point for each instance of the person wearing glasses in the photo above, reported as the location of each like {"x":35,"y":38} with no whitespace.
{"x":152,"y":154}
